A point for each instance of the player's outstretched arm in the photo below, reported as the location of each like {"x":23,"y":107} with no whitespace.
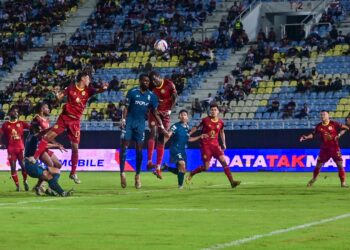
{"x":167,"y":136}
{"x":159,"y":121}
{"x":196,"y":138}
{"x":103,"y":88}
{"x":306,"y":137}
{"x":195,"y":128}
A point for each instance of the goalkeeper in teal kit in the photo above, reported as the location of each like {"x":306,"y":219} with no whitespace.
{"x":139,"y":101}
{"x":179,"y":135}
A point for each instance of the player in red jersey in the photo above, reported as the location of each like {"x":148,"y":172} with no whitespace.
{"x":49,"y":159}
{"x":213,"y":126}
{"x":165,"y":90}
{"x":13,"y":130}
{"x":78,"y":95}
{"x":329,"y":131}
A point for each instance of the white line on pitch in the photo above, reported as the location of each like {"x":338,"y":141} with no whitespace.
{"x":137,"y":209}
{"x":35,"y":201}
{"x":280,"y":231}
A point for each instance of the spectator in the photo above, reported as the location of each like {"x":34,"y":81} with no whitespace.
{"x":114,"y":85}
{"x":304,"y":112}
{"x":93,"y":115}
{"x":274,"y":107}
{"x":206,"y":102}
{"x":2,"y":115}
{"x":196,"y":108}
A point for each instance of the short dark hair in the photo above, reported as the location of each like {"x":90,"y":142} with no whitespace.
{"x":323,"y":110}
{"x":183,"y":111}
{"x":142,"y":76}
{"x":153,"y":73}
{"x":40,"y":105}
{"x":81,"y":75}
{"x":12,"y":108}
{"x":214,"y":105}
{"x":34,"y":127}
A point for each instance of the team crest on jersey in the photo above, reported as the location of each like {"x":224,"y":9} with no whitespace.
{"x":330,"y":128}
{"x":218,"y":126}
{"x":162,"y":91}
{"x":74,"y":93}
{"x":77,"y":100}
{"x":56,"y":126}
{"x":8,"y":126}
{"x":18,"y":125}
{"x":83,"y":93}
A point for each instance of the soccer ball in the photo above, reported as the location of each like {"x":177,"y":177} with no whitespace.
{"x":161,"y":45}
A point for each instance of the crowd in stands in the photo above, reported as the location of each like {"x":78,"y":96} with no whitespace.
{"x":23,"y":24}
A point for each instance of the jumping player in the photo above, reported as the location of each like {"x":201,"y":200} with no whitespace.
{"x":329,"y":131}
{"x":179,"y":134}
{"x":13,"y":130}
{"x":212,"y":125}
{"x":139,"y":101}
{"x":165,"y":90}
{"x":37,"y":170}
{"x":78,"y":95}
{"x":42,"y":118}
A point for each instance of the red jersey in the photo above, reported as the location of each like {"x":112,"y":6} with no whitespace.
{"x":44,"y":122}
{"x":164,"y":93}
{"x":328,"y":133}
{"x":14,"y":133}
{"x":212,"y":129}
{"x":76,"y":100}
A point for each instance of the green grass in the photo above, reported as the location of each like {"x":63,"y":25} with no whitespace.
{"x":159,"y":216}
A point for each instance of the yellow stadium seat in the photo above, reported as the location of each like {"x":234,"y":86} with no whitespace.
{"x":262,"y":84}
{"x":270,"y":84}
{"x":114,"y":66}
{"x":173,"y":64}
{"x":268,"y":90}
{"x":263,"y":103}
{"x":133,"y":54}
{"x":278,"y":84}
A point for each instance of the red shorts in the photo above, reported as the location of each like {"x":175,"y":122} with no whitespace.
{"x":49,"y":152}
{"x":208,"y":151}
{"x":326,"y":154}
{"x":70,"y":124}
{"x":15,"y":154}
{"x":164,"y":116}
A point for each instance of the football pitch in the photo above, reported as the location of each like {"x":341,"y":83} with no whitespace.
{"x":268,"y":211}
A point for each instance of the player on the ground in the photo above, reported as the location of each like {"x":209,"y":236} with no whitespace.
{"x":179,"y":134}
{"x":42,"y":117}
{"x":139,"y":101}
{"x":37,"y":170}
{"x":165,"y":90}
{"x":213,"y":126}
{"x":78,"y":95}
{"x":13,"y":130}
{"x":330,"y":132}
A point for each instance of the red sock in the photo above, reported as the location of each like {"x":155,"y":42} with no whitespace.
{"x":150,"y":149}
{"x":228,"y":174}
{"x":15,"y":177}
{"x":342,"y":175}
{"x":160,"y":153}
{"x":198,"y":170}
{"x":316,"y":172}
{"x":24,"y":174}
{"x":74,"y":159}
{"x":41,"y":148}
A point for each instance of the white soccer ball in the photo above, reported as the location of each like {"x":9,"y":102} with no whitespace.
{"x":161,"y":45}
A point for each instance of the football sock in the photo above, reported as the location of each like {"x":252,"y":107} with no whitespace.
{"x":138,"y":161}
{"x":41,"y":148}
{"x":173,"y":170}
{"x":24,"y":174}
{"x":150,"y":149}
{"x":342,"y":175}
{"x":15,"y":177}
{"x":53,"y":184}
{"x":198,"y":170}
{"x":180,"y":178}
{"x":160,"y":153}
{"x":122,"y":158}
{"x":74,"y":158}
{"x":316,"y":172}
{"x":228,"y":174}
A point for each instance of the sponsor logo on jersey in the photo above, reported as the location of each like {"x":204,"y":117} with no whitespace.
{"x":141,"y":103}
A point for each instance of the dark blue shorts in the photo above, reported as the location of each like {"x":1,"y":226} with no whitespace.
{"x":177,"y":155}
{"x":135,"y":132}
{"x":35,"y":170}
